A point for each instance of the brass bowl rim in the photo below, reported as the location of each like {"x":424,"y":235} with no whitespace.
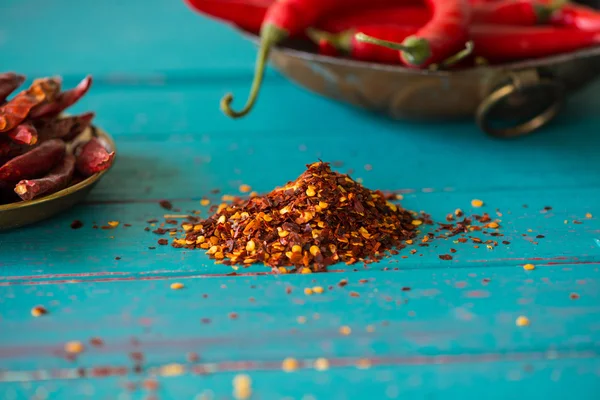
{"x":68,"y":190}
{"x":531,"y":63}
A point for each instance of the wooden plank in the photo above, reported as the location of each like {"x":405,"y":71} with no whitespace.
{"x":550,"y":379}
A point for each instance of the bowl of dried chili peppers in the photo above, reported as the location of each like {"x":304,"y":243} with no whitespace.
{"x":49,"y":161}
{"x":508,"y":63}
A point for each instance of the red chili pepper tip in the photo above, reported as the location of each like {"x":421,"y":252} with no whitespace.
{"x":414,"y":49}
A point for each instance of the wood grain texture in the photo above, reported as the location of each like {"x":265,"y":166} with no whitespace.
{"x":420,"y":327}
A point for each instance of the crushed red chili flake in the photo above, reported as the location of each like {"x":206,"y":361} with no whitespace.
{"x":321,"y":218}
{"x":445,"y":257}
{"x":163,"y":242}
{"x":166,"y":204}
{"x":343,"y":282}
{"x":76,"y":224}
{"x":354,"y":294}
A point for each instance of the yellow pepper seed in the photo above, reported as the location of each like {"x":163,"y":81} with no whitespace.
{"x":177,"y":286}
{"x":38,"y":311}
{"x":296,"y":249}
{"x":250,"y":246}
{"x":308,"y":291}
{"x":305,"y":271}
{"x":323,"y":205}
{"x":417,"y":222}
{"x":204,"y":202}
{"x":318,"y":289}
{"x":113,"y":224}
{"x":476,"y":203}
{"x":314,"y":250}
{"x":74,"y":347}
{"x":522,"y":321}
{"x":310,"y":192}
{"x":345,"y":330}
{"x":528,"y":267}
{"x":493,"y":225}
{"x":283,"y":233}
{"x":245,"y":188}
{"x":321,"y":364}
{"x":289,"y":364}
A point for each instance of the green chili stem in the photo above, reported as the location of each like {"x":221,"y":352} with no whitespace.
{"x":270,"y":35}
{"x":544,"y":11}
{"x":461,"y":55}
{"x":415,"y":50}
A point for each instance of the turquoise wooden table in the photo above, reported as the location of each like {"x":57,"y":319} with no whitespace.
{"x":420,"y":327}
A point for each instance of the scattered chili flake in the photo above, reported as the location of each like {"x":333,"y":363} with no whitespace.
{"x":321,"y":364}
{"x":205,"y":320}
{"x":242,"y":387}
{"x":370,"y":328}
{"x":476,"y":203}
{"x":204,"y":202}
{"x":574,"y":296}
{"x":528,"y":267}
{"x":96,"y":342}
{"x":308,"y":291}
{"x":345,"y":330}
{"x":288,"y":290}
{"x":166,"y":204}
{"x":522,"y":321}
{"x":74,"y":347}
{"x":163,"y":242}
{"x":233,"y":315}
{"x":245,"y":188}
{"x":363,"y":363}
{"x":151,"y":248}
{"x":343,"y":282}
{"x":117,"y":258}
{"x":492,"y":225}
{"x":452,"y":250}
{"x":588,"y":215}
{"x":445,"y":257}
{"x":177,"y":286}
{"x":289,"y":364}
{"x":76,"y":224}
{"x":150,"y":384}
{"x":368,"y":167}
{"x":354,"y":294}
{"x":38,"y":311}
{"x":320,"y":219}
{"x":301,"y":319}
{"x":540,"y":236}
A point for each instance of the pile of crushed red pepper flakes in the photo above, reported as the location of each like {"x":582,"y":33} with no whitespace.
{"x":321,"y":218}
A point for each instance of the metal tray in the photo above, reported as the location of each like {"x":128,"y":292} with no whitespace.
{"x":15,"y":215}
{"x":506,"y":100}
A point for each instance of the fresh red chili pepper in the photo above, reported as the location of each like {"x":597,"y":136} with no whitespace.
{"x":501,"y":43}
{"x":515,"y":12}
{"x":35,"y":162}
{"x":17,"y":109}
{"x":63,"y":100}
{"x":24,"y":133}
{"x":445,"y":34}
{"x":93,"y":157}
{"x":66,"y":128}
{"x":9,"y":82}
{"x":286,"y":18}
{"x":578,"y":17}
{"x":410,"y":15}
{"x":245,"y":14}
{"x":346,"y":42}
{"x":57,"y":179}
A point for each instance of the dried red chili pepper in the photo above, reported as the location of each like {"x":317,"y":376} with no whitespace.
{"x":578,"y":17}
{"x":63,"y":100}
{"x":346,"y":42}
{"x":57,"y":179}
{"x":245,"y":14}
{"x":515,"y":12}
{"x":66,"y":128}
{"x":319,"y":219}
{"x":444,"y":35}
{"x":93,"y":157}
{"x":24,"y":133}
{"x":35,"y":162}
{"x":500,"y":43}
{"x":17,"y":109}
{"x":9,"y":82}
{"x":283,"y":19}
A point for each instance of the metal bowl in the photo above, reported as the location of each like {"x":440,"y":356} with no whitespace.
{"x":15,"y":215}
{"x":506,"y":100}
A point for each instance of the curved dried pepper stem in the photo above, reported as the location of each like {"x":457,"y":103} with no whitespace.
{"x":415,"y":50}
{"x":9,"y":82}
{"x":24,"y":133}
{"x":270,"y":36}
{"x":17,"y":109}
